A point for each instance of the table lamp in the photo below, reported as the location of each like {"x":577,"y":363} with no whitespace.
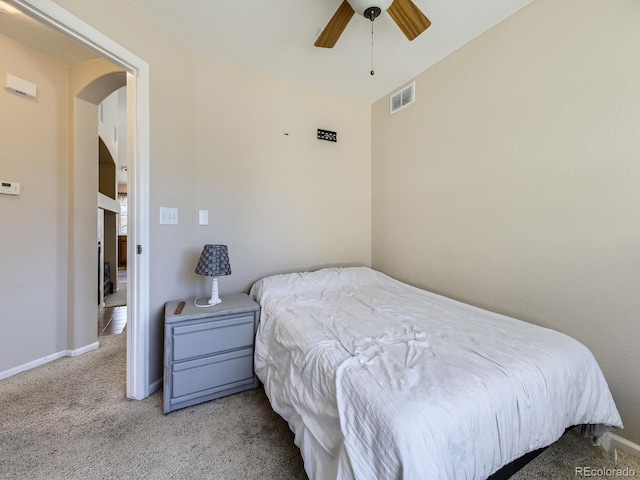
{"x":214,"y":262}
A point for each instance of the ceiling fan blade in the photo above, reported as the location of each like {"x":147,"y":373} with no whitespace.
{"x":336,"y":26}
{"x":409,"y":18}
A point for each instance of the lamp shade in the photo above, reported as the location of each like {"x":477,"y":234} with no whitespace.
{"x":214,"y":261}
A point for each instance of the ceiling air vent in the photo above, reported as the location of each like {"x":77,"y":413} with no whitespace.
{"x":402,"y":98}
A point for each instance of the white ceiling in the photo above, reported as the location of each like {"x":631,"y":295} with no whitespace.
{"x":41,"y":38}
{"x":276,"y":37}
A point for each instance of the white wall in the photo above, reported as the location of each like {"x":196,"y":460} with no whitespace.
{"x":123,"y":137}
{"x":279,"y":197}
{"x":88,"y":84}
{"x":513,"y":182}
{"x":172,"y":147}
{"x":189,"y":103}
{"x":113,"y":130}
{"x":49,"y":146}
{"x":109,"y":126}
{"x":33,"y":244}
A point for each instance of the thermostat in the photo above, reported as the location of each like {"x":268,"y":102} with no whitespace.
{"x":9,"y":188}
{"x":20,"y":86}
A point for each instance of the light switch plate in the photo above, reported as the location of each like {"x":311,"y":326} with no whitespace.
{"x":168,"y":216}
{"x":9,"y":188}
{"x":203,"y":217}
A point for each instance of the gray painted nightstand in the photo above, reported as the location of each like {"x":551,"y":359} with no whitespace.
{"x":208,"y":352}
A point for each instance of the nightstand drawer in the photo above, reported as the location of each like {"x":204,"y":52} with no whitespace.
{"x":208,"y":352}
{"x":208,"y":373}
{"x":212,"y":337}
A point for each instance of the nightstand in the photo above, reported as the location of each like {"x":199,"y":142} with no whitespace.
{"x":208,"y":352}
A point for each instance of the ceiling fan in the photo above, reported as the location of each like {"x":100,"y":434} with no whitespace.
{"x":407,"y":16}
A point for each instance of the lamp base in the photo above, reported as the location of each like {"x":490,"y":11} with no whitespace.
{"x":215,"y":298}
{"x":203,"y":305}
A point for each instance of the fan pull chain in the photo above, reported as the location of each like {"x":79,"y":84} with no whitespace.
{"x":372,"y":70}
{"x":371,"y":13}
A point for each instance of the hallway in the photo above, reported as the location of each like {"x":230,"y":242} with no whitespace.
{"x":112,"y":320}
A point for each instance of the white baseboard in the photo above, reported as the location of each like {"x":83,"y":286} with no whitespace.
{"x":30,"y":365}
{"x":155,"y":386}
{"x":49,"y":358}
{"x":625,"y":445}
{"x":85,"y":349}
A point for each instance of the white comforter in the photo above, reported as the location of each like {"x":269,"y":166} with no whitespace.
{"x":380,"y":380}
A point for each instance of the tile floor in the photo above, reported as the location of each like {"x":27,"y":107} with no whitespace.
{"x":112,"y":320}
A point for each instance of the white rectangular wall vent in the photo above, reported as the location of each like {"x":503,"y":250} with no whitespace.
{"x":402,"y":98}
{"x":20,"y":86}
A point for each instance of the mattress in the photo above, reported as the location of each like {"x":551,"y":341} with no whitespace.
{"x":381,"y":380}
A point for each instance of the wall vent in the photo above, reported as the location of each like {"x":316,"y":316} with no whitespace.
{"x":402,"y":98}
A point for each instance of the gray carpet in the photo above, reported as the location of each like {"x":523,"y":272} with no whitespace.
{"x":69,"y":419}
{"x":118,"y":298}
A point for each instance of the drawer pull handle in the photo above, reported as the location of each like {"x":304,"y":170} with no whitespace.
{"x":179,"y":308}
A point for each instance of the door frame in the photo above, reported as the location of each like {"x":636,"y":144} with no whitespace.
{"x":51,"y":14}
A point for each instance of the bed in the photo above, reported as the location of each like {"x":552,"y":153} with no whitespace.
{"x":381,"y":380}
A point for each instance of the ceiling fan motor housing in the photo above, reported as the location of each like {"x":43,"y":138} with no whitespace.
{"x":361,"y":7}
{"x":372,"y":13}
{"x":404,"y":13}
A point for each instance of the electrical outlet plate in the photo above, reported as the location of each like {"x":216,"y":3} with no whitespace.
{"x":168,"y":216}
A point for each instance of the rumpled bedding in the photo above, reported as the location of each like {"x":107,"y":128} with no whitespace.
{"x":381,"y":380}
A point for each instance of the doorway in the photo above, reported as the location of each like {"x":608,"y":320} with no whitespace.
{"x":113,"y":162}
{"x":50,"y":14}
